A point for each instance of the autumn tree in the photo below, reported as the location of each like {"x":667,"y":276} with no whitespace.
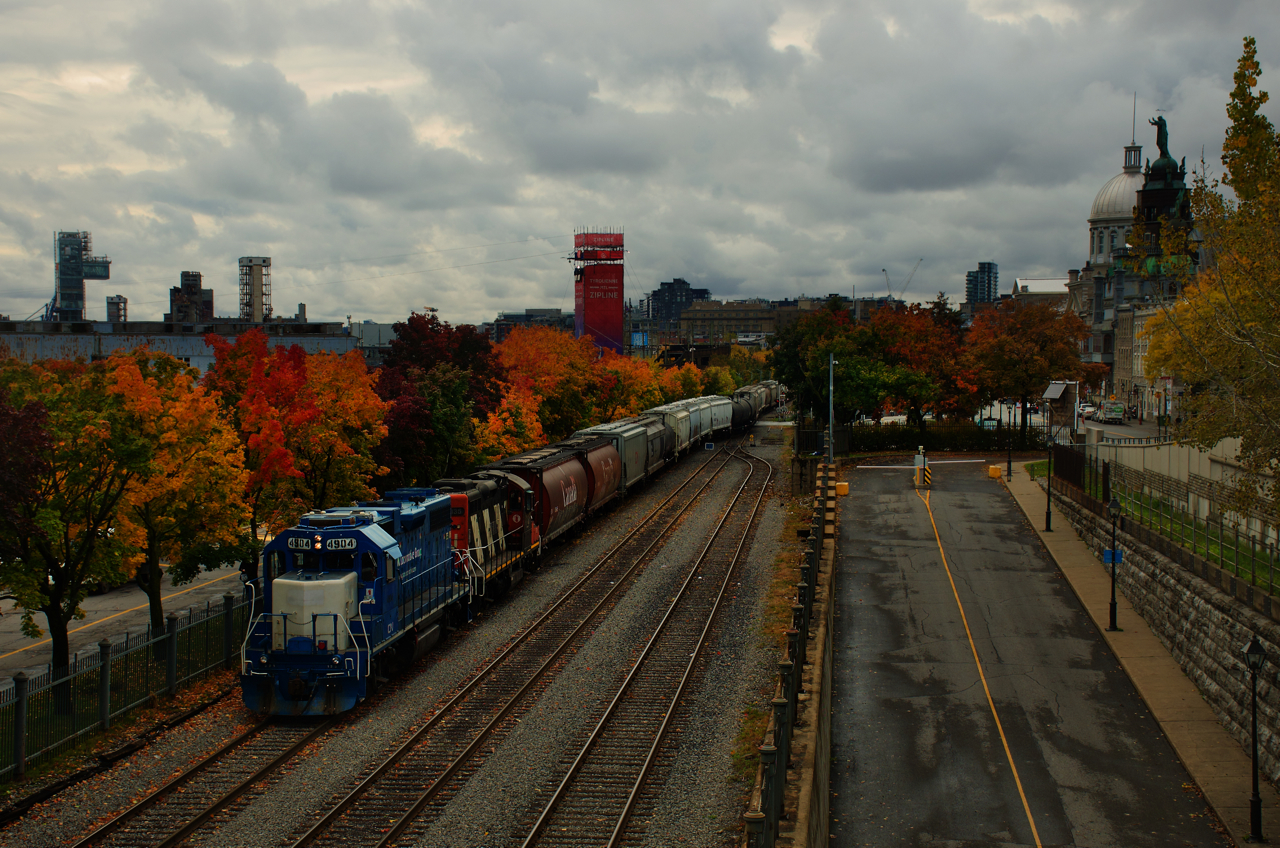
{"x":87,"y":447}
{"x":925,"y":340}
{"x":559,"y":371}
{"x":437,"y":379}
{"x":627,"y":386}
{"x":424,"y":342}
{"x":680,"y":383}
{"x":261,"y":390}
{"x":1220,"y":337}
{"x":191,"y":497}
{"x":512,"y":428}
{"x":333,"y":448}
{"x":748,"y":366}
{"x":1016,"y":351}
{"x":717,"y":380}
{"x":429,"y":419}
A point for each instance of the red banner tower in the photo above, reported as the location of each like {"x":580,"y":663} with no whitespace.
{"x":597,"y":288}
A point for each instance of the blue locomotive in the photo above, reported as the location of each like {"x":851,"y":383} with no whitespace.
{"x":347,"y":595}
{"x":353,"y":594}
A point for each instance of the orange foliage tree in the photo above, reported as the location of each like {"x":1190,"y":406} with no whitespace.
{"x":191,"y":498}
{"x":557,"y":370}
{"x":333,"y":448}
{"x":1016,"y":351}
{"x":680,"y":383}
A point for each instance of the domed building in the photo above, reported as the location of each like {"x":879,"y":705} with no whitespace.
{"x":1116,"y":297}
{"x":1111,"y":218}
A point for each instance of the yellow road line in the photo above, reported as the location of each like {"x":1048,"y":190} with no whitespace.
{"x":118,"y":614}
{"x":982,"y":675}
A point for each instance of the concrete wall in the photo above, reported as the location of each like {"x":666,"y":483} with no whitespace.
{"x":1203,"y":628}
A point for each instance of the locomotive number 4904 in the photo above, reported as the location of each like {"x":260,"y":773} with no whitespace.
{"x":340,"y":544}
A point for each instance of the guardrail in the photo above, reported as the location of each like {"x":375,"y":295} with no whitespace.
{"x":768,"y":795}
{"x":50,"y":713}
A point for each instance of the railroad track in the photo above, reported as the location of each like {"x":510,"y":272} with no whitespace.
{"x":178,"y":809}
{"x":409,"y":787}
{"x":594,"y":802}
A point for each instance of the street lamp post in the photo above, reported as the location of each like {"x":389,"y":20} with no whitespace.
{"x":831,"y":408}
{"x":1254,"y":657}
{"x":1009,"y":444}
{"x":1048,"y":489}
{"x":1114,"y":509}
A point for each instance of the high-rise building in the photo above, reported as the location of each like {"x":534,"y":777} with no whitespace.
{"x":73,"y":264}
{"x":117,"y":309}
{"x":255,"y":288}
{"x":189,"y":302}
{"x":598,"y":288}
{"x":982,"y":285}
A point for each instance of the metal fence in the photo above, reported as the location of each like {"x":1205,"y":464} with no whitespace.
{"x":48,"y":714}
{"x":1240,"y":545}
{"x":935,"y":436}
{"x":764,"y":809}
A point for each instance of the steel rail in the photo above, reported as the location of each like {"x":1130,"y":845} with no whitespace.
{"x":616,"y":838}
{"x":109,"y":828}
{"x":363,"y":787}
{"x":604,"y":721}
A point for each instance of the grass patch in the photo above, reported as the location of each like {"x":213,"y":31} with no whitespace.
{"x":1039,"y":468}
{"x":745,"y":758}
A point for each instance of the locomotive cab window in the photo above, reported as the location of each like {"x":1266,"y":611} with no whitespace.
{"x":274,"y":564}
{"x":368,"y":568}
{"x":391,"y":568}
{"x":306,"y":561}
{"x":342,"y":561}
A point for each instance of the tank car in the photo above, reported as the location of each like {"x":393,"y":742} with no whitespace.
{"x":347,"y":595}
{"x":570,"y":480}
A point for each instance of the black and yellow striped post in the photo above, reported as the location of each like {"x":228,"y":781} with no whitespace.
{"x":928,"y":476}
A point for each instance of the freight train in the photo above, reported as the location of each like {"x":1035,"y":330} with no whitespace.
{"x":353,"y":594}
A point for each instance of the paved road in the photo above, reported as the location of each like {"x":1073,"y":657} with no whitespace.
{"x":110,"y":615}
{"x":919,"y":758}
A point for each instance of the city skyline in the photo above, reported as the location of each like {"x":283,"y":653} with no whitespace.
{"x":392,"y":157}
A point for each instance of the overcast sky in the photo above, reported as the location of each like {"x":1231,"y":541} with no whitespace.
{"x":390,"y":156}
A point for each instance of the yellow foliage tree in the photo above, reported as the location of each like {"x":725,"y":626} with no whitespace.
{"x":1222,"y":337}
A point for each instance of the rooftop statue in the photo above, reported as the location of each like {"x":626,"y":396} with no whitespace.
{"x":1162,"y":135}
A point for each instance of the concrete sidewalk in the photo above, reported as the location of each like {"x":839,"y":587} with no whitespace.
{"x":1216,"y":762}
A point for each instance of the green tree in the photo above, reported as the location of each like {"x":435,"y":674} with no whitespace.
{"x":64,"y":540}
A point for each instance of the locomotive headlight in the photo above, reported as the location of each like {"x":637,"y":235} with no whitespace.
{"x":337,"y":659}
{"x":262,"y":659}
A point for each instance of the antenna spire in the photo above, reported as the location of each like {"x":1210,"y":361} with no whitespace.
{"x":1134,"y":136}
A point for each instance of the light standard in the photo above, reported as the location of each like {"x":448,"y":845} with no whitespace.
{"x":1254,"y":657}
{"x":1048,"y":489}
{"x":1114,"y":509}
{"x":831,"y":408}
{"x":1009,"y":444}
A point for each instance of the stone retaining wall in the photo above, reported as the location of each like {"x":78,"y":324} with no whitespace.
{"x":1202,"y":627}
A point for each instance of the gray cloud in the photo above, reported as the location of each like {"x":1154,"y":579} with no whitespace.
{"x":427,"y":154}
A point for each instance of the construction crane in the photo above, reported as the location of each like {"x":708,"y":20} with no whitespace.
{"x":902,"y":291}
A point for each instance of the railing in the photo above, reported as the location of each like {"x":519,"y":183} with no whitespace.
{"x":48,"y":714}
{"x":1239,"y":545}
{"x":764,"y":808}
